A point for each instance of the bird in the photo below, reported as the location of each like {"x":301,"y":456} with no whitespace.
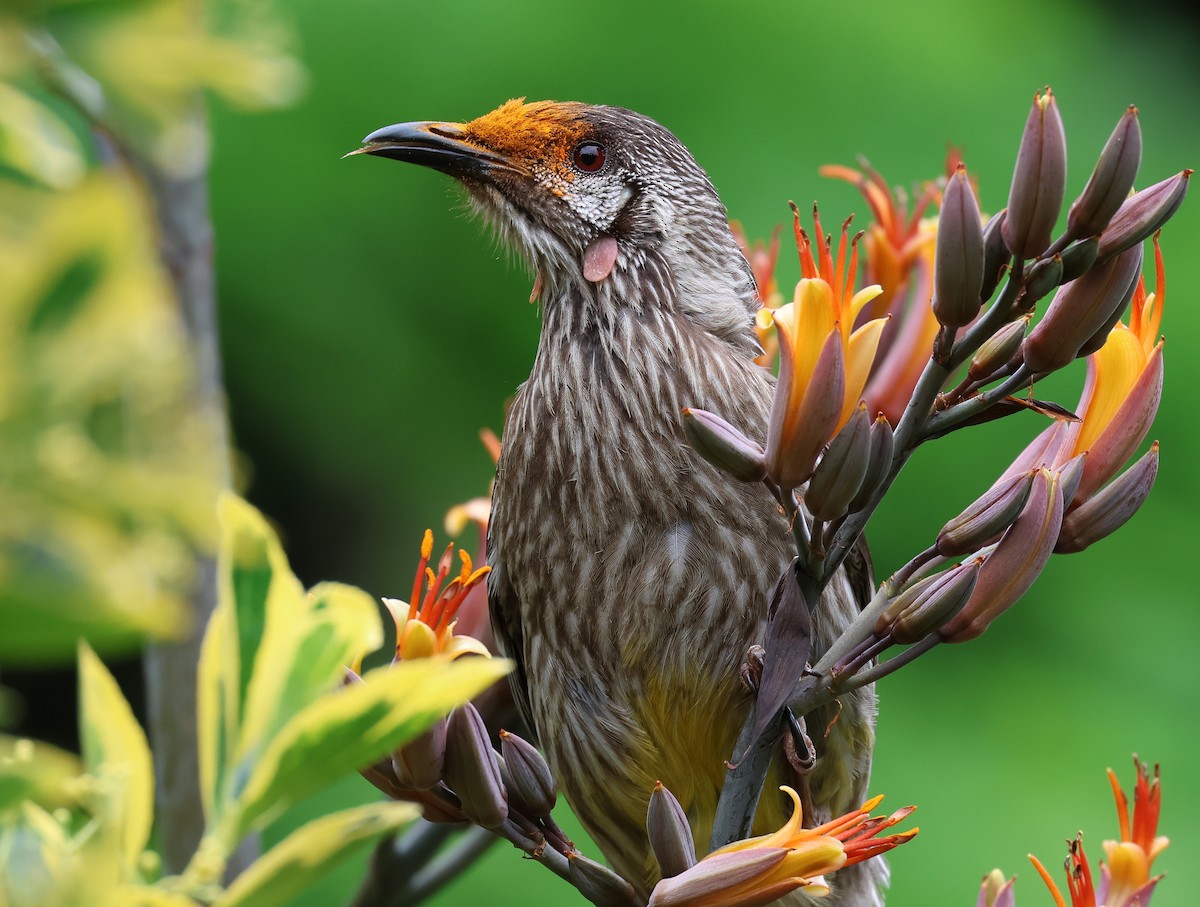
{"x":628,"y":576}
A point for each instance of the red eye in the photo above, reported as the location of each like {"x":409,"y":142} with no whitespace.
{"x":588,"y":157}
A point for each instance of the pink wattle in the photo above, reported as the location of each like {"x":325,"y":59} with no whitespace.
{"x":599,"y":258}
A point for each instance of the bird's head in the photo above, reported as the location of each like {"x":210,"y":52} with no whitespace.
{"x":598,"y":199}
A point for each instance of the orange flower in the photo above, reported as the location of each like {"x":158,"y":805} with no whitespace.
{"x":824,"y":361}
{"x":900,"y":252}
{"x":896,"y":239}
{"x":761,"y":870}
{"x":1125,"y":879}
{"x":425,"y":628}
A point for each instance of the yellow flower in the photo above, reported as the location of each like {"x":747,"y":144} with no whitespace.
{"x":425,"y":627}
{"x":824,"y":361}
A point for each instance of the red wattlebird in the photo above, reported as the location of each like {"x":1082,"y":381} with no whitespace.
{"x":629,"y":576}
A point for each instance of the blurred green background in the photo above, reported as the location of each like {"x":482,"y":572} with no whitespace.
{"x":370,"y":329}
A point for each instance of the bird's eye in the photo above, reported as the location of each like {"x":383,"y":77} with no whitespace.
{"x":588,"y":157}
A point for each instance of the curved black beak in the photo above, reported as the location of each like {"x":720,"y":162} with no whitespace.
{"x":437,"y":145}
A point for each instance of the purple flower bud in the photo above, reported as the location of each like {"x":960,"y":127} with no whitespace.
{"x":1100,"y":338}
{"x":472,"y":770}
{"x":996,"y":352}
{"x":1039,"y":180}
{"x":599,"y":884}
{"x":1143,"y":213}
{"x":1108,"y":511}
{"x":1078,"y":257}
{"x":799,"y":429}
{"x":527,"y":777}
{"x":934,"y":604}
{"x":1015,"y":563}
{"x":995,"y":891}
{"x":958,"y":263}
{"x":840,"y":474}
{"x":995,"y":254}
{"x":983,"y":521}
{"x":419,"y":763}
{"x":1079,"y":310}
{"x":724,"y":446}
{"x":878,"y":463}
{"x":1070,"y":474}
{"x":1043,"y":276}
{"x":670,"y":833}
{"x":1109,"y":184}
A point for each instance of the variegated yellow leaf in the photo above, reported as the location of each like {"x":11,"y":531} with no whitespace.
{"x":31,"y":770}
{"x":311,"y":851}
{"x":148,"y":896}
{"x":345,"y":730}
{"x":116,"y":752}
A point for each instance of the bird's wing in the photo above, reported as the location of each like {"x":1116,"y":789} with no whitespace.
{"x":505,"y":610}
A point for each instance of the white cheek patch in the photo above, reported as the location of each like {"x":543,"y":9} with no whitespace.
{"x":599,"y":258}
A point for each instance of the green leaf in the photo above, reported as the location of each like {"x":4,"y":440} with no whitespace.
{"x":115,"y":752}
{"x":354,"y":727}
{"x":311,"y":851}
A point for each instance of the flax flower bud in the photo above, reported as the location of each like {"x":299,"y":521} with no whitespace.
{"x":878,"y":463}
{"x":840,"y":474}
{"x":472,"y":771}
{"x":418,"y":764}
{"x":958,"y":265}
{"x":997,"y":350}
{"x":1111,"y":508}
{"x":1015,"y":563}
{"x":995,"y":254}
{"x":1079,"y":310}
{"x":724,"y":446}
{"x":927,"y":605}
{"x":1078,"y":257}
{"x":670,"y":833}
{"x":1112,"y":179}
{"x":984,"y":520}
{"x":1070,"y":474}
{"x":996,"y":891}
{"x":527,"y":777}
{"x":599,"y":884}
{"x":1039,"y":180}
{"x":1044,"y":275}
{"x":1143,"y":213}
